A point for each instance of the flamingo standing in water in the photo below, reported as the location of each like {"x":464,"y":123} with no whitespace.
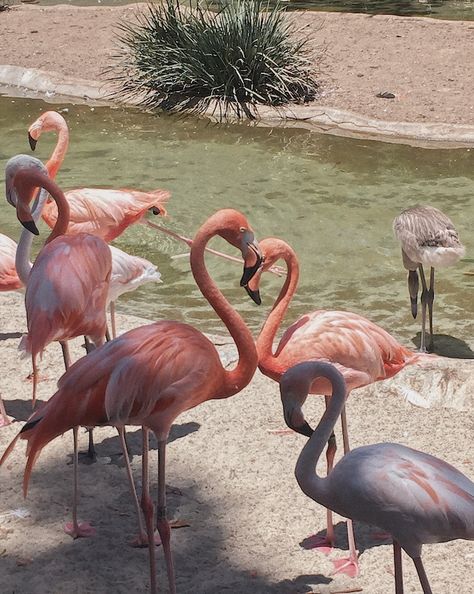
{"x":362,"y":351}
{"x":417,"y":498}
{"x":427,"y":237}
{"x":151,"y":374}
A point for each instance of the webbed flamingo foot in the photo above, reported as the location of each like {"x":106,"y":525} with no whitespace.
{"x":4,"y":421}
{"x":141,"y":540}
{"x":82,"y":530}
{"x":347,"y":566}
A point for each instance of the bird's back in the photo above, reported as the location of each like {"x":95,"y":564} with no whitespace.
{"x":417,"y":497}
{"x":67,"y":291}
{"x":105,"y":212}
{"x":427,"y":236}
{"x":363,"y":351}
{"x":130,"y":272}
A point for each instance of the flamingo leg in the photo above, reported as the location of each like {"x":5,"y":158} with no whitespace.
{"x":349,"y":566}
{"x":147,"y":507}
{"x":74,"y":528}
{"x":430,"y":308}
{"x":397,"y":562}
{"x":422,"y":576}
{"x":413,"y":285}
{"x":161,"y":521}
{"x":424,"y":303}
{"x":142,"y":539}
{"x":112,"y":319}
{"x":90,"y":456}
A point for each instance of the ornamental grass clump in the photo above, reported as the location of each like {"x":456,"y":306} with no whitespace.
{"x":190,"y":59}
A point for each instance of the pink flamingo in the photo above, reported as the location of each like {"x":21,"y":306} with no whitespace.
{"x":151,"y":374}
{"x":362,"y":351}
{"x":102,"y":212}
{"x":417,"y":498}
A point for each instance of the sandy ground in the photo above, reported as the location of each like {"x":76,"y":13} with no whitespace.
{"x":427,"y":64}
{"x":228,"y":476}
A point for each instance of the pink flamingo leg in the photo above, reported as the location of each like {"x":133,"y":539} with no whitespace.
{"x":397,"y":562}
{"x":350,"y":565}
{"x":161,"y":521}
{"x":74,"y":528}
{"x":422,"y":575}
{"x":142,"y":539}
{"x":147,"y":507}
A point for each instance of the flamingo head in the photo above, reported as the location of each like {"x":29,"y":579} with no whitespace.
{"x":49,"y":120}
{"x":294,"y":388}
{"x":12,"y":167}
{"x":236,"y":230}
{"x":272,"y":249}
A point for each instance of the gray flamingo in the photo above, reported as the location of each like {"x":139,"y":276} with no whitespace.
{"x":417,"y":498}
{"x":427,"y":237}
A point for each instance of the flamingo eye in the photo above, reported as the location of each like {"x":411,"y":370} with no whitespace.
{"x":243,"y":229}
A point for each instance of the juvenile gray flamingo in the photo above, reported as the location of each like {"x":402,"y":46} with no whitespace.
{"x":428,"y":238}
{"x":417,"y":498}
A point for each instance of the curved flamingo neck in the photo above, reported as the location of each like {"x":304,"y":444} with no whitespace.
{"x":23,"y":252}
{"x":57,"y":156}
{"x":27,"y":179}
{"x":238,"y":378}
{"x":267,"y":360}
{"x":311,"y":484}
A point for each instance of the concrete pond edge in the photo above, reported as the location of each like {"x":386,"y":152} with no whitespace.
{"x":50,"y":86}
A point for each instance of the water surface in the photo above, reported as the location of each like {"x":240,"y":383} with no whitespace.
{"x":332,"y":198}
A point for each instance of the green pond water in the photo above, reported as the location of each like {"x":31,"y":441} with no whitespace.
{"x":442,"y":9}
{"x":332,"y":198}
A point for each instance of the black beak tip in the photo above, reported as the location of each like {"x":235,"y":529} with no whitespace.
{"x":254,"y":295}
{"x":31,"y":226}
{"x":32,"y":142}
{"x":155,"y":210}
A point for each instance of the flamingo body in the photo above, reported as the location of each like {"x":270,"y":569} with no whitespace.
{"x":362,"y":351}
{"x":417,"y":497}
{"x":129,"y":272}
{"x":9,"y":280}
{"x":428,"y":237}
{"x":106,"y":212}
{"x":67,"y":291}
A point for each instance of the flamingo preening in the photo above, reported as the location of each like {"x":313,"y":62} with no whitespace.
{"x":428,"y":238}
{"x":417,"y":498}
{"x":362,"y":351}
{"x":151,"y":374}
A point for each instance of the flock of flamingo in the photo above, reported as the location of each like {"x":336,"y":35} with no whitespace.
{"x":149,"y":375}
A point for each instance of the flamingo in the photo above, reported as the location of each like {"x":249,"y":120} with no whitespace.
{"x":151,"y":374}
{"x":417,"y":498}
{"x":427,"y":237}
{"x":362,"y":351}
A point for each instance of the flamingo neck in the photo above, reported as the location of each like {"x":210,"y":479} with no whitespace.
{"x":23,"y":252}
{"x":57,"y":157}
{"x":240,"y":376}
{"x":311,"y":484}
{"x":268,"y":362}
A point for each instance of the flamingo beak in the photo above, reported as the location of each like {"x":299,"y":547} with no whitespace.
{"x":32,"y":142}
{"x":252,"y":258}
{"x":30,"y":226}
{"x":303,"y":428}
{"x":155,"y":210}
{"x":254,"y":295}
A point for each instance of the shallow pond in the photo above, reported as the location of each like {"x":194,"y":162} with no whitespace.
{"x":442,"y":9}
{"x":332,"y":198}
